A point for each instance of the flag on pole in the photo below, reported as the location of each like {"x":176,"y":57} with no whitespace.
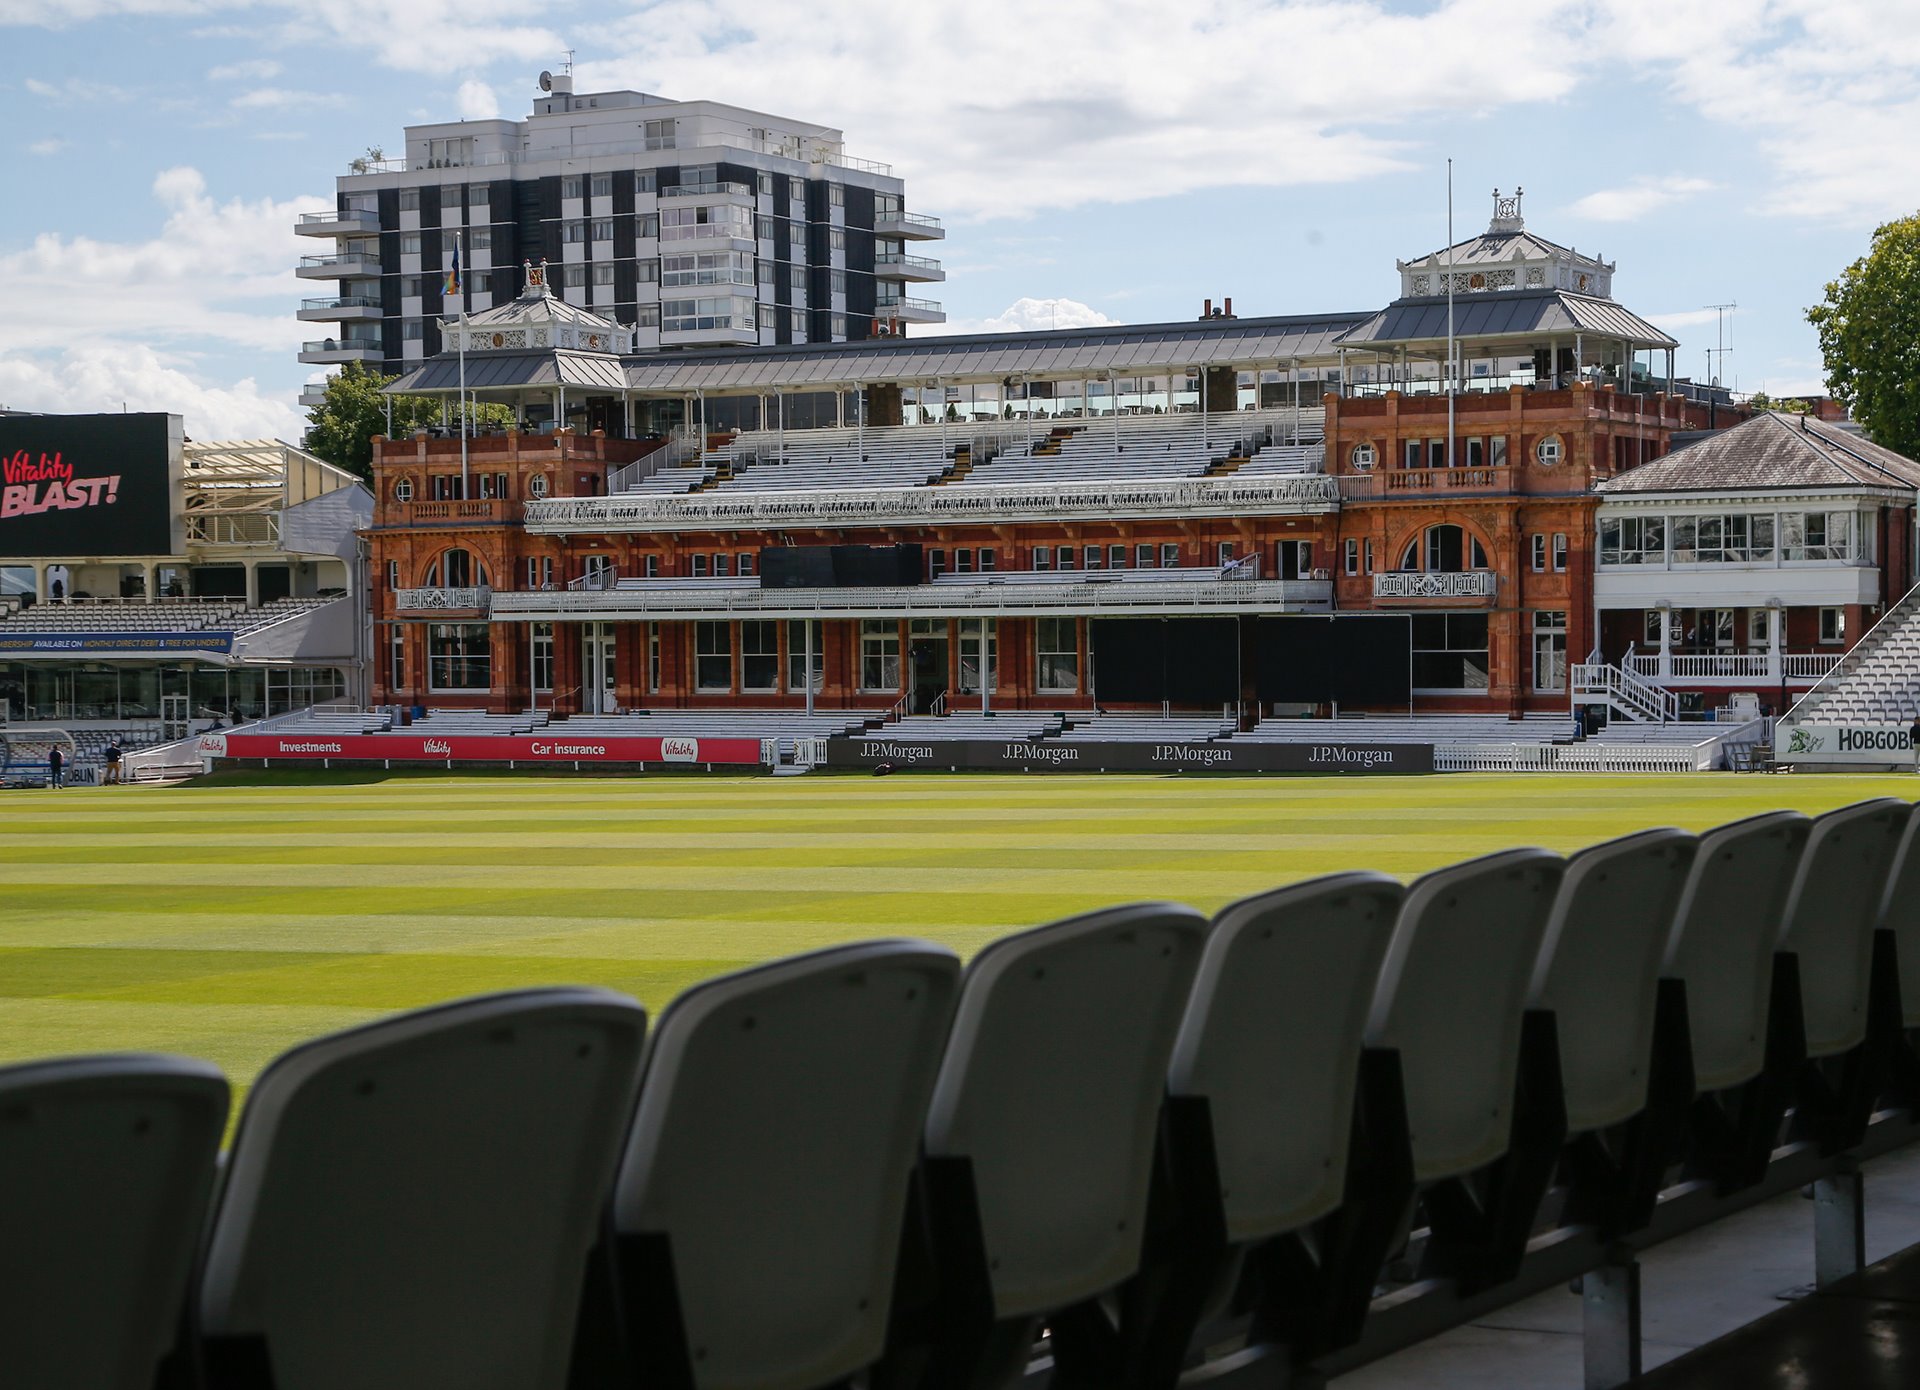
{"x":453,"y":272}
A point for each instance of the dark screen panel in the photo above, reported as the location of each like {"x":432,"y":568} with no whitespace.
{"x":1358,"y":659}
{"x":87,"y":485}
{"x":1188,"y":661}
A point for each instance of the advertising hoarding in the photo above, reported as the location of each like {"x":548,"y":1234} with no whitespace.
{"x":1100,"y":755}
{"x":91,"y":485}
{"x":554,"y":747}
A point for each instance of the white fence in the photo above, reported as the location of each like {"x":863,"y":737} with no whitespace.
{"x":1590,"y":756}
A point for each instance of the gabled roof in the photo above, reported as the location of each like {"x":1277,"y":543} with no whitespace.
{"x":498,"y":371}
{"x":1771,"y":451}
{"x":1498,"y":248}
{"x":1504,"y":313}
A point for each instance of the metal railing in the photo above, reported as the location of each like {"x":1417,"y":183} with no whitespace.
{"x":342,"y":301}
{"x":911,"y":219}
{"x":340,"y":258}
{"x":706,"y":190}
{"x":790,"y":148}
{"x":339,"y":219}
{"x":466,"y":597}
{"x":1286,"y":494}
{"x":1625,"y":690}
{"x":931,"y":306}
{"x":344,"y":345}
{"x":915,"y":262}
{"x":1590,"y":756}
{"x":1754,"y":666}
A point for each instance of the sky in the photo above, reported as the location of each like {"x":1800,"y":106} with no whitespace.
{"x":1115,"y":161}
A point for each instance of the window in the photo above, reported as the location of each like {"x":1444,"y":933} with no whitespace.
{"x":541,"y":645}
{"x":763,"y":183}
{"x":410,"y":286}
{"x":397,"y":658}
{"x":712,"y":654}
{"x":836,"y":195}
{"x":1170,"y":555}
{"x":1436,"y":453}
{"x":797,"y":648}
{"x":570,"y":186}
{"x":1294,"y":559}
{"x":602,"y":186}
{"x":1759,"y":629}
{"x":1652,"y":626}
{"x":651,"y":567}
{"x":1638,"y":540}
{"x":836,"y":239}
{"x":658,"y":134}
{"x":763,"y":228}
{"x":797,"y":279}
{"x":450,"y":197}
{"x":409,"y":200}
{"x":769,"y":317}
{"x":576,"y":276}
{"x":646,"y":272}
{"x":1539,"y":552}
{"x":1449,"y":549}
{"x":646,"y":316}
{"x":695,"y":223}
{"x":1361,"y":457}
{"x":936,"y":563}
{"x":459,"y":657}
{"x":708,"y":268}
{"x":1549,"y":651}
{"x":692,"y":315}
{"x":1369,"y":557}
{"x":456,"y":569}
{"x":1116,"y":557}
{"x":1817,"y":536}
{"x":1090,"y":557}
{"x":1043,"y":558}
{"x":837,"y":325}
{"x":744,"y":564}
{"x":1559,"y":552}
{"x":1450,"y":651}
{"x":1833,"y":624}
{"x":409,"y":243}
{"x":597,"y":570}
{"x":645,"y":180}
{"x":962,"y":560}
{"x":1143,"y":556}
{"x":1549,"y":451}
{"x":759,"y":655}
{"x":837,"y":282}
{"x":879,"y":654}
{"x":647,"y":226}
{"x":797,"y":191}
{"x":1223,"y":554}
{"x":1056,"y":654}
{"x":478,"y":195}
{"x":393,"y":574}
{"x":1415,"y":451}
{"x":797,"y":324}
{"x":480,"y":239}
{"x":403,"y":489}
{"x":974,"y":633}
{"x":601,"y":228}
{"x":1063,"y":557}
{"x":989,"y":560}
{"x":573,"y":233}
{"x":539,"y":571}
{"x":722,"y":566}
{"x":1350,"y":552}
{"x":603,"y":273}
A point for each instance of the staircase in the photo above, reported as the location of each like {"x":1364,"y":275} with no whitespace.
{"x":1220,"y":468}
{"x":1625,"y":693}
{"x":1059,"y":435}
{"x":961,"y":466}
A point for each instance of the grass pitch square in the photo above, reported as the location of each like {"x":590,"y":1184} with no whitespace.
{"x":233,"y":918}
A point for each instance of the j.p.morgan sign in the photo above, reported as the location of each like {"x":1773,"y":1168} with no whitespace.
{"x":1089,"y":755}
{"x":1868,"y":744}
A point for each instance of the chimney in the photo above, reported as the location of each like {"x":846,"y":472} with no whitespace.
{"x":1206,"y":308}
{"x":1226,"y":311}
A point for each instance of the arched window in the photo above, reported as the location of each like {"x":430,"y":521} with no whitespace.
{"x":456,"y":569}
{"x":1362,"y":457}
{"x":403,"y":489}
{"x":1444,"y":549}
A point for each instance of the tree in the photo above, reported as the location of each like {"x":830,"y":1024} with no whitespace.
{"x":341,"y":428}
{"x":1869,"y":328}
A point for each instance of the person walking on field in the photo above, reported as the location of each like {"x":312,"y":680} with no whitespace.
{"x":112,"y":756}
{"x":56,"y":765}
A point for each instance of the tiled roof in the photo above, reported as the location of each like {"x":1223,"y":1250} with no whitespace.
{"x":1504,"y":313}
{"x":1771,"y":451}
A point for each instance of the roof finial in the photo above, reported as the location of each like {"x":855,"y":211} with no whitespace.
{"x":1506,"y":212}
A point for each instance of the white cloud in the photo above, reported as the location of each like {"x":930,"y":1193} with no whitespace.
{"x":103,"y":378}
{"x":75,"y":90}
{"x":1685,"y":318}
{"x":282,"y":98}
{"x":1630,"y":202}
{"x":476,"y":101}
{"x":50,"y":146}
{"x":1025,"y":316}
{"x":250,"y":70}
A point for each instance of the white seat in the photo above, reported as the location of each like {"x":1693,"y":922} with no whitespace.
{"x":1832,"y":909}
{"x":106,"y":1167}
{"x":409,"y":1204}
{"x":1450,"y":1001}
{"x":1723,"y":937}
{"x":759,"y":1204}
{"x":1900,"y":914}
{"x":1599,"y":969}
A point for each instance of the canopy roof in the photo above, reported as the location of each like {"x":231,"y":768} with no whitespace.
{"x":513,"y":371}
{"x":1530,"y":314}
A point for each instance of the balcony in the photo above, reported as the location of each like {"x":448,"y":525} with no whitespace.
{"x":1714,"y":669}
{"x":313,"y":394}
{"x":348,"y":265}
{"x":913,"y":226}
{"x":472,"y":598}
{"x":1409,"y":584}
{"x":922,"y":269}
{"x":353,"y":222}
{"x":910,"y":310}
{"x":708,"y":191}
{"x":1396,"y":483}
{"x":739,"y":332}
{"x":332,"y":351}
{"x":341,"y":308}
{"x":475,"y":511}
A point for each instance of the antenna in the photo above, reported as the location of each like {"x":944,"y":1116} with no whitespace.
{"x":1722,"y":350}
{"x":546,"y":82}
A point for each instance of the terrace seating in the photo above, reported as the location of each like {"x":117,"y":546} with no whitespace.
{"x":965,"y":725}
{"x":1416,"y":728}
{"x":1874,"y":683}
{"x":1147,"y":728}
{"x":120,"y":615}
{"x":410,"y":1203}
{"x":106,"y":1167}
{"x":1183,"y":1148}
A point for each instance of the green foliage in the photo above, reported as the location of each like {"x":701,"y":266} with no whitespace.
{"x":341,"y":428}
{"x":1869,"y":326}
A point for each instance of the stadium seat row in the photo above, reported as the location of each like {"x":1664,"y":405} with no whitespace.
{"x":864,"y":1166}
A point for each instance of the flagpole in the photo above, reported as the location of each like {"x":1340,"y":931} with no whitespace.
{"x":1450,"y":348}
{"x":466,"y":490}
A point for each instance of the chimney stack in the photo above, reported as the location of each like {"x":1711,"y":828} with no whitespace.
{"x":1227,"y":311}
{"x":1206,"y":308}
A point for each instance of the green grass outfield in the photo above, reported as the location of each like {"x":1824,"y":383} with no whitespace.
{"x":230,"y":920}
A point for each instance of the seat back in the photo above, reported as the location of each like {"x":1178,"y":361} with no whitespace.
{"x":1051,"y":1090}
{"x":1900,"y":914}
{"x":778,"y":1127}
{"x":1599,"y":969}
{"x":106,"y":1167}
{"x":411,"y":1203}
{"x":1450,"y":999}
{"x":1722,"y":941}
{"x":1271,"y":1041}
{"x":1832,"y":909}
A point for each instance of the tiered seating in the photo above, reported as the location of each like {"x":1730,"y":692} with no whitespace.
{"x":1634,"y":731}
{"x":722,"y":723}
{"x":1878,"y":682}
{"x":1278,"y":459}
{"x":1147,"y":728}
{"x":1179,"y":1147}
{"x":278,"y":610}
{"x":116,"y":615}
{"x":966,"y":724}
{"x":1416,"y":728}
{"x":321,"y":719}
{"x":893,"y":456}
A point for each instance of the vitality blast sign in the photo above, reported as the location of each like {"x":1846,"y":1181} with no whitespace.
{"x":89,"y":485}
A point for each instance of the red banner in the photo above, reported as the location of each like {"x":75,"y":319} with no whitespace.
{"x":490,"y":748}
